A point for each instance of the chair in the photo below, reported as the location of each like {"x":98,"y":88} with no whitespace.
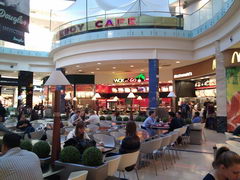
{"x":37,"y":134}
{"x":127,"y":160}
{"x":164,"y":146}
{"x":113,"y":163}
{"x":228,"y":135}
{"x":150,"y":148}
{"x":49,"y":136}
{"x":107,"y":140}
{"x":78,"y":175}
{"x":116,"y":135}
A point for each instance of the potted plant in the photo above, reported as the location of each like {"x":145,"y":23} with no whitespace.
{"x":91,"y":161}
{"x":165,"y":119}
{"x":108,"y":118}
{"x":119,"y":118}
{"x":138,"y":119}
{"x":102,"y":118}
{"x":42,"y":149}
{"x":126,"y":118}
{"x":26,"y":144}
{"x":188,"y":121}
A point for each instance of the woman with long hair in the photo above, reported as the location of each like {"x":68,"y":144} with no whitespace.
{"x":131,"y":142}
{"x":78,"y":132}
{"x":226,"y":166}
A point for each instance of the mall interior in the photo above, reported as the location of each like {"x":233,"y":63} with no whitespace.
{"x":123,"y":59}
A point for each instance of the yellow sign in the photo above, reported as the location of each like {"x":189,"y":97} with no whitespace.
{"x":214,"y":64}
{"x":236,"y":55}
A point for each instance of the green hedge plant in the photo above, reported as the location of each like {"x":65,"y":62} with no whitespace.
{"x":70,"y":154}
{"x":26,"y":144}
{"x":109,"y":118}
{"x":102,"y":118}
{"x":126,"y":118}
{"x":42,"y":149}
{"x":92,"y":156}
{"x":119,"y":118}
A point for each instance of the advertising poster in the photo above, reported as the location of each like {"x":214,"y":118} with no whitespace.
{"x":14,"y":20}
{"x":233,"y":97}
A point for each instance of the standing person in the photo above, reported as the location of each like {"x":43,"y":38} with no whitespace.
{"x":2,"y":112}
{"x":174,"y":122}
{"x":226,"y":166}
{"x":180,"y":119}
{"x":185,"y":110}
{"x":206,"y":103}
{"x":18,"y":164}
{"x":94,"y":118}
{"x":149,"y":122}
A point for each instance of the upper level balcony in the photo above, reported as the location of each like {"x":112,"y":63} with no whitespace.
{"x":93,"y":19}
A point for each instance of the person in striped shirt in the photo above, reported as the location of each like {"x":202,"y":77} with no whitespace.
{"x":18,"y":164}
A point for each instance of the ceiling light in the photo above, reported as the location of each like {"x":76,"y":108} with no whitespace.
{"x":132,"y":66}
{"x":66,"y":72}
{"x":98,"y":69}
{"x":80,"y":70}
{"x":92,"y":72}
{"x":178,"y":62}
{"x":114,"y":67}
{"x":99,"y":63}
{"x":142,"y":69}
{"x":113,"y":72}
{"x":160,"y":67}
{"x":77,"y":66}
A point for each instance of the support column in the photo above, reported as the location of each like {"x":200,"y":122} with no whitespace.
{"x":221,"y":90}
{"x":153,"y":96}
{"x":25,"y":83}
{"x":62,"y":93}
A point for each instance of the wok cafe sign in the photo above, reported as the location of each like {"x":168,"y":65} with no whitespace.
{"x":139,"y":78}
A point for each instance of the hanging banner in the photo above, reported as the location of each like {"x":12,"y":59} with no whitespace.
{"x":14,"y":20}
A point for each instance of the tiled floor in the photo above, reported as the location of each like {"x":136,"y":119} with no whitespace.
{"x":190,"y":166}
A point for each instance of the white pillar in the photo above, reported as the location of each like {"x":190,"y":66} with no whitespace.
{"x":221,"y":90}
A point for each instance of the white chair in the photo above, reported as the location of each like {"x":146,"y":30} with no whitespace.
{"x":113,"y":163}
{"x":37,"y":134}
{"x":164,"y":146}
{"x":228,"y":135}
{"x":49,"y":136}
{"x":127,"y":160}
{"x":78,"y":175}
{"x":105,"y":124}
{"x":107,"y":140}
{"x":150,"y":148}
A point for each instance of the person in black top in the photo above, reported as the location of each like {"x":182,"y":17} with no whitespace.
{"x":180,"y":119}
{"x":174,"y":122}
{"x":226,"y":166}
{"x":25,"y":126}
{"x":131,"y":143}
{"x":2,"y":113}
{"x":236,"y":132}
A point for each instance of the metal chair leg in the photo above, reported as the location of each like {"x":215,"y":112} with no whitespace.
{"x":136,"y":173}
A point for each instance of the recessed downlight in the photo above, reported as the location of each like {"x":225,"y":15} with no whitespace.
{"x":80,"y":70}
{"x":142,"y":69}
{"x":178,"y":62}
{"x":114,"y":67}
{"x":99,"y":63}
{"x":92,"y":72}
{"x":97,"y":69}
{"x":132,"y":66}
{"x":77,"y":66}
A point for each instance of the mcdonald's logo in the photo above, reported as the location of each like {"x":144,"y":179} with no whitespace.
{"x":235,"y":56}
{"x":214,"y":64}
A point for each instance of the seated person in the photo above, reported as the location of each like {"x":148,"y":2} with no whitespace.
{"x":131,"y":142}
{"x":174,"y":122}
{"x":179,"y":116}
{"x":196,"y":118}
{"x":79,"y":138}
{"x":24,"y":125}
{"x":79,"y":132}
{"x":236,"y":132}
{"x":93,"y":119}
{"x":149,"y":122}
{"x":75,"y":118}
{"x":226,"y":166}
{"x":18,"y":164}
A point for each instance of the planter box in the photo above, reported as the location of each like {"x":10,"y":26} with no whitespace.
{"x":45,"y":162}
{"x":94,"y":173}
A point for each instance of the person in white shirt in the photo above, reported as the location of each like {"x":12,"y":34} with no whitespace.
{"x":94,"y":118}
{"x":79,"y":132}
{"x":18,"y":164}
